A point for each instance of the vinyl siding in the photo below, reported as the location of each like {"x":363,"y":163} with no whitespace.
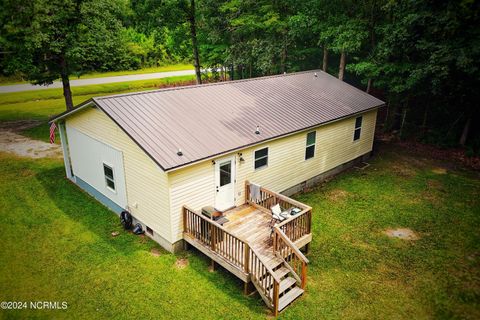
{"x":88,"y":166}
{"x":195,"y":185}
{"x":146,"y":184}
{"x":287,"y":166}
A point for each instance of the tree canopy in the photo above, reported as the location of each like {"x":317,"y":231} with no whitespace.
{"x":420,"y":56}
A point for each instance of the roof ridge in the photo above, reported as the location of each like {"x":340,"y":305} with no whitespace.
{"x":196,"y":86}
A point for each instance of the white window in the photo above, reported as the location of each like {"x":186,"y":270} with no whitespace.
{"x":109,"y":177}
{"x":261,"y":158}
{"x":358,"y":128}
{"x":310,"y":148}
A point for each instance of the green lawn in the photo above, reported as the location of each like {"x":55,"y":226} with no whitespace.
{"x":42,"y":104}
{"x":173,"y":67}
{"x":57,"y":245}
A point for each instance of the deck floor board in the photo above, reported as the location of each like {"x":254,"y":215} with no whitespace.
{"x":252,"y":225}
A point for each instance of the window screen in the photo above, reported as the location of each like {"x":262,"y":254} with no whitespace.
{"x":261,"y":158}
{"x":109,"y":178}
{"x":358,"y":128}
{"x":310,"y":148}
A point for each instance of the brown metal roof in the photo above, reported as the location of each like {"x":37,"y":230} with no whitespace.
{"x":208,"y":120}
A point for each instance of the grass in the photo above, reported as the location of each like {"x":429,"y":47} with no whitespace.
{"x":43,"y":104}
{"x":57,"y":245}
{"x":174,"y":67}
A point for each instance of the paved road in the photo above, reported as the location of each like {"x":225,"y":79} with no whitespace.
{"x":86,"y":82}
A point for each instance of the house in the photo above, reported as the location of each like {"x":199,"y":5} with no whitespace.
{"x":165,"y":154}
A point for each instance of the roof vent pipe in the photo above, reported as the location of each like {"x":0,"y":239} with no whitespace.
{"x":257,"y":130}
{"x":179,"y":152}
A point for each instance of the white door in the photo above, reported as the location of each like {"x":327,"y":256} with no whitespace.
{"x":225,"y":183}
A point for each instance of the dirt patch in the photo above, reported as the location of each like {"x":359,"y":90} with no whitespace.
{"x":454,"y":155}
{"x":439,"y":170}
{"x":181,"y":263}
{"x":155,"y":252}
{"x":18,"y":126}
{"x":403,"y":170}
{"x":27,"y":173}
{"x":402,"y":233}
{"x":434,"y":184}
{"x":337,"y":195}
{"x":25,"y":147}
{"x":431,"y":197}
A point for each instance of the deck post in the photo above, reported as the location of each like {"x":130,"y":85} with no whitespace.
{"x":307,"y":248}
{"x":304,"y":275}
{"x":246,"y":258}
{"x":246,"y":287}
{"x":213,"y":265}
{"x":184,"y":214}
{"x":275,"y":298}
{"x":212,"y":236}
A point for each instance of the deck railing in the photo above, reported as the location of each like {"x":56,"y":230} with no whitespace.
{"x":235,"y":250}
{"x":294,"y":227}
{"x":284,"y":248}
{"x":216,"y":238}
{"x":264,"y":279}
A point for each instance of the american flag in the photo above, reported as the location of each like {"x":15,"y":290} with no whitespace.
{"x":53,"y":126}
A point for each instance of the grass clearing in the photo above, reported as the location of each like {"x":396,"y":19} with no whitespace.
{"x":43,"y":104}
{"x":174,"y":67}
{"x":57,"y":245}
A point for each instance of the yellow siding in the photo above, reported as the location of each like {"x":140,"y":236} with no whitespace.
{"x":287,"y":166}
{"x":146,"y":183}
{"x":195,"y":185}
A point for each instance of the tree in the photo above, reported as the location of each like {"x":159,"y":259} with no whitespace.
{"x":48,"y":39}
{"x":348,"y":36}
{"x":180,"y":16}
{"x":189,"y":10}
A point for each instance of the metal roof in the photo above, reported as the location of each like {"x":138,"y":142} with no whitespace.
{"x":208,"y":120}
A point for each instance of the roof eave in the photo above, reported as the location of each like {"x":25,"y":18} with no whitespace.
{"x":184,"y":165}
{"x":67,"y":113}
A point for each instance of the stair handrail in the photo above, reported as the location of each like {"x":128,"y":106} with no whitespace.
{"x":279,"y":238}
{"x":276,"y":279}
{"x":290,"y":244}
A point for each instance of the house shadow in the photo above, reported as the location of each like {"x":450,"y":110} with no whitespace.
{"x":226,"y":282}
{"x":82,"y":208}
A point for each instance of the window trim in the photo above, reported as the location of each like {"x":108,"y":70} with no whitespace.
{"x":255,"y":160}
{"x":105,"y":178}
{"x":314,"y":144}
{"x":359,"y":128}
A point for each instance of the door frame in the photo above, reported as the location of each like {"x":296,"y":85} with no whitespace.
{"x":217,"y":180}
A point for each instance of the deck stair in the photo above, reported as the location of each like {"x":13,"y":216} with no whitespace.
{"x":278,"y":284}
{"x":252,"y":250}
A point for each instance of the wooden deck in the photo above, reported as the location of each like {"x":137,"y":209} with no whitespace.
{"x":252,"y":225}
{"x":249,"y":248}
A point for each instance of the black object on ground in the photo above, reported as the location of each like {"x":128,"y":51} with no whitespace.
{"x":126,"y":220}
{"x":138,"y":229}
